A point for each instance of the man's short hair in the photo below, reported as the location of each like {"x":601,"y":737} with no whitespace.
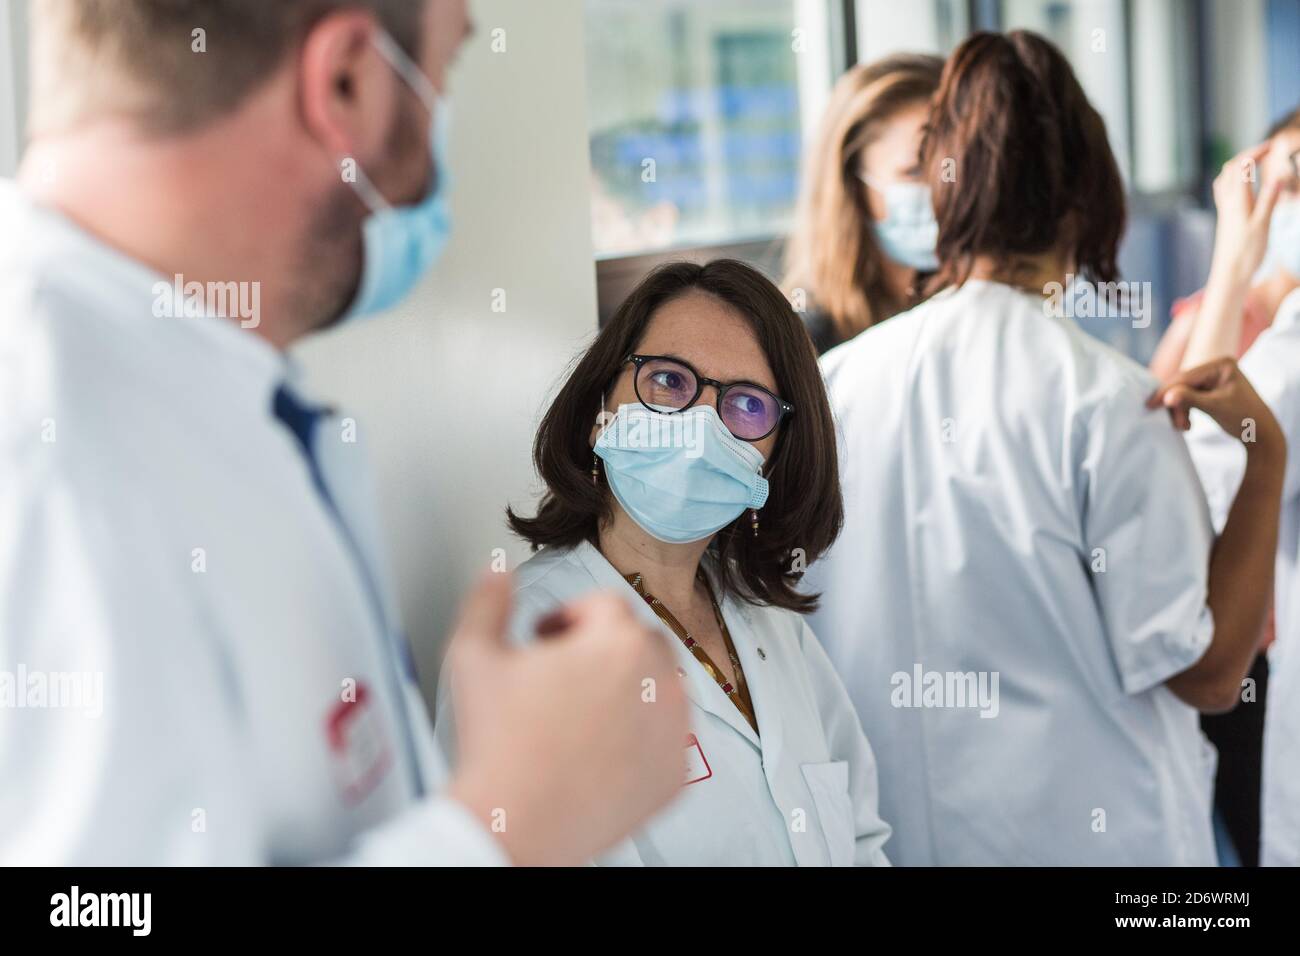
{"x":176,"y":64}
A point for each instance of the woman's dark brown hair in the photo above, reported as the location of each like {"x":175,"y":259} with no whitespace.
{"x":832,"y":252}
{"x":1019,"y":162}
{"x":803,"y":513}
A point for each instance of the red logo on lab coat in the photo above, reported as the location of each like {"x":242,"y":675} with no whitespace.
{"x":697,"y":765}
{"x":358,"y":744}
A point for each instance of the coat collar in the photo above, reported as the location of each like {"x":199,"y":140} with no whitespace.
{"x":760,"y":675}
{"x":700,"y":688}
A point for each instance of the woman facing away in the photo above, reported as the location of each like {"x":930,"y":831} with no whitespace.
{"x":689,"y":464}
{"x":1027,"y":602}
{"x":864,"y":230}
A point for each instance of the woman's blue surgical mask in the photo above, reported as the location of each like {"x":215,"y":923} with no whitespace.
{"x":681,"y":477}
{"x":908,"y":233}
{"x":1284,"y":238}
{"x":400,"y":243}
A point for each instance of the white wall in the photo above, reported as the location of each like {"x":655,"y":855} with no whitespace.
{"x":13,"y":81}
{"x":447,"y":393}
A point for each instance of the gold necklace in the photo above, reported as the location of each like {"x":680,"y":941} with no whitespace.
{"x":737,"y":692}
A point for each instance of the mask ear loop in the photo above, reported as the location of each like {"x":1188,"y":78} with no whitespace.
{"x":410,"y":73}
{"x":366,"y":189}
{"x":407,"y":69}
{"x":600,"y":424}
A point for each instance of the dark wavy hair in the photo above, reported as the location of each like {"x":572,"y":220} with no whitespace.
{"x":1033,"y":167}
{"x":804,"y":511}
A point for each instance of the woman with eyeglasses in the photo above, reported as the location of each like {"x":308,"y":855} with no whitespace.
{"x":689,"y":463}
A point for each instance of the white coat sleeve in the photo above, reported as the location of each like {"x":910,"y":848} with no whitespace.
{"x":152,"y":767}
{"x":847,"y":742}
{"x":1146,"y":539}
{"x":1272,"y":364}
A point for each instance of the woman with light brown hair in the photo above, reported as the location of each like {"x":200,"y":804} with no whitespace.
{"x":864,"y":229}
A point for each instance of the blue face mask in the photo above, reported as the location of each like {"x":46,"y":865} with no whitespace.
{"x":402,"y":242}
{"x":908,"y":233}
{"x":1284,"y":238}
{"x":681,"y":477}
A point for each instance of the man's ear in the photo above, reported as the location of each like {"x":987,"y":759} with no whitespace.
{"x":347,"y":91}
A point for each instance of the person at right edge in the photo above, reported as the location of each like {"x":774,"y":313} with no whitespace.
{"x":1245,"y":235}
{"x":1197,"y":334}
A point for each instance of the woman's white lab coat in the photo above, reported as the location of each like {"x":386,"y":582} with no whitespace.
{"x":804,"y":793}
{"x":1022,"y":567}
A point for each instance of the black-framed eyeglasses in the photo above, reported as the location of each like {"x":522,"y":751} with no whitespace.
{"x":666,"y":384}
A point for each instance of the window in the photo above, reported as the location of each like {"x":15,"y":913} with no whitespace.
{"x":1165,"y":97}
{"x":700,"y":110}
{"x":1093,"y":35}
{"x":1137,"y":63}
{"x":13,"y":79}
{"x":697,"y":117}
{"x":923,"y":26}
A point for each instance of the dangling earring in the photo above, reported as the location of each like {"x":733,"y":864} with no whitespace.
{"x":600,"y":425}
{"x":753,"y":514}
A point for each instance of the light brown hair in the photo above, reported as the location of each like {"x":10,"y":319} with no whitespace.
{"x":138,"y":57}
{"x":803,"y":511}
{"x":833,"y":253}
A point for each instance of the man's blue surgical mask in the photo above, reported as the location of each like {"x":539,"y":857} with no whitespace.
{"x":908,"y":233}
{"x":681,"y":477}
{"x":401,"y":243}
